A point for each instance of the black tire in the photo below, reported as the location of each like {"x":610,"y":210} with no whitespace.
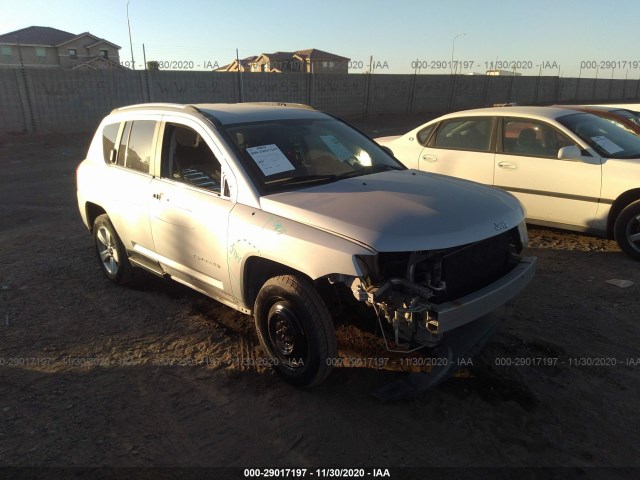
{"x":110,"y":251}
{"x":296,"y":330}
{"x":627,"y":230}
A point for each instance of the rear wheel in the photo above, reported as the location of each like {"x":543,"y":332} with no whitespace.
{"x":295,"y":329}
{"x":111,"y":253}
{"x":627,"y":230}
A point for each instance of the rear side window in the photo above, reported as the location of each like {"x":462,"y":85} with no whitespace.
{"x":109,"y":134}
{"x":140,"y":145}
{"x":136,"y":145}
{"x":465,"y":134}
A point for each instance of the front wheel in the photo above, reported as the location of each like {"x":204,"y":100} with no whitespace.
{"x":295,"y":329}
{"x":627,"y":230}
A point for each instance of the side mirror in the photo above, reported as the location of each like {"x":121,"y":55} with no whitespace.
{"x":387,"y":149}
{"x":570,"y":153}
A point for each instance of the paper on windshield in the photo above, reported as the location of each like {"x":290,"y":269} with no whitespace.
{"x":336,"y":147}
{"x":607,"y":144}
{"x":270,"y":159}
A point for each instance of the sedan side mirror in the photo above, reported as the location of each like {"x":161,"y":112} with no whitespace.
{"x":387,"y":149}
{"x":570,"y":153}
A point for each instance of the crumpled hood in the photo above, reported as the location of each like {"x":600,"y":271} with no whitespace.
{"x":401,"y":210}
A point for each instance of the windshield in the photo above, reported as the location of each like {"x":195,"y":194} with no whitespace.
{"x":609,"y":140}
{"x":285,"y":154}
{"x":628,"y":114}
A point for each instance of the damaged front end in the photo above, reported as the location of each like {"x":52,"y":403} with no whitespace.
{"x":420,"y":295}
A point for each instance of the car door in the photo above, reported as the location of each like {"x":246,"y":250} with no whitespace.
{"x":461,"y":147}
{"x":190,"y":208}
{"x":564,"y":192}
{"x":127,"y":181}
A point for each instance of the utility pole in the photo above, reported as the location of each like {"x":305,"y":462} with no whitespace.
{"x":133,"y":63}
{"x":453,"y":47}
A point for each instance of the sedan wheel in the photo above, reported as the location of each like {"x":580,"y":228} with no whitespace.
{"x":627,"y":230}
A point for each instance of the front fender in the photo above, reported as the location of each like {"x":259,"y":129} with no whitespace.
{"x":313,"y":252}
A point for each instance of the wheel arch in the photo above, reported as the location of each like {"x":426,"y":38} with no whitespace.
{"x":618,"y":205}
{"x":93,"y":211}
{"x":257,"y":270}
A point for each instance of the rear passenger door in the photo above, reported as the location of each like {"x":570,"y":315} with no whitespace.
{"x":461,"y":147}
{"x":190,"y":208}
{"x":126,"y":183}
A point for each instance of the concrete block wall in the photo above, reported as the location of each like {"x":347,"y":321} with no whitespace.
{"x":389,"y":93}
{"x":547,"y":90}
{"x":197,"y":87}
{"x":431,"y":93}
{"x":67,"y":100}
{"x":468,"y":92}
{"x":497,"y":89}
{"x":13,"y":102}
{"x":339,"y":94}
{"x":43,"y":100}
{"x":269,"y":87}
{"x":524,"y":90}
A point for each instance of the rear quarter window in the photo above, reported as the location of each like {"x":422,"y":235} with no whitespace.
{"x":109,"y":134}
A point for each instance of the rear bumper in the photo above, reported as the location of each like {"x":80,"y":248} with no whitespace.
{"x":454,"y":314}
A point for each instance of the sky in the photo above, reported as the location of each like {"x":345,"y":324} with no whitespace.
{"x":586,"y":38}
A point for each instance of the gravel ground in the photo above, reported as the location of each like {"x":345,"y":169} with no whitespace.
{"x":92,"y":374}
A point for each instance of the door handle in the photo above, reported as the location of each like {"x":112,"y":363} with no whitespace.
{"x":429,"y":158}
{"x":508,"y":165}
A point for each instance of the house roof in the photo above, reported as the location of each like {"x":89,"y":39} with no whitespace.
{"x":48,"y":36}
{"x":37,"y":36}
{"x":94,"y":40}
{"x":245,"y":62}
{"x":310,"y":54}
{"x":315,"y":54}
{"x":278,"y":56}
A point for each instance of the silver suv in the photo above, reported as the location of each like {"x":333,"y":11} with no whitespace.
{"x":278,"y":210}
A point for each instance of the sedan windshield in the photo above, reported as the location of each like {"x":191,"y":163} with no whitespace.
{"x":606,"y":138}
{"x":285,"y":154}
{"x":628,"y":114}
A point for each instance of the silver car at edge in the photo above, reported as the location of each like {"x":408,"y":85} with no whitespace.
{"x":277,"y":211}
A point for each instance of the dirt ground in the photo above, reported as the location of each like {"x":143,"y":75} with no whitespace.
{"x":92,"y":374}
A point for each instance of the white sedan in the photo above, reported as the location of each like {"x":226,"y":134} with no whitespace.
{"x":570,"y":169}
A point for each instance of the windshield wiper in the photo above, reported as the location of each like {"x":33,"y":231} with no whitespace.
{"x":381,"y":167}
{"x":302,"y":179}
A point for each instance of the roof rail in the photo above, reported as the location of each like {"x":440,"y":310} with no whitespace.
{"x":281,"y":104}
{"x":158,"y":106}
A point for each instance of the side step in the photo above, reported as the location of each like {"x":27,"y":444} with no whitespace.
{"x":145,"y":263}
